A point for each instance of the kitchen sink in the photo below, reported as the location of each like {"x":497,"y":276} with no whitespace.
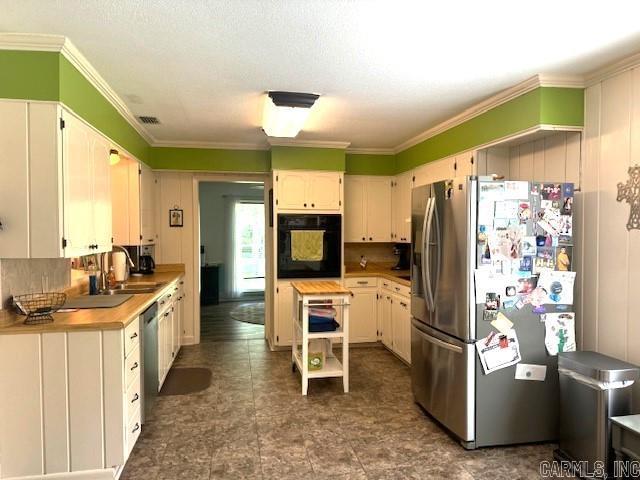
{"x":137,"y":287}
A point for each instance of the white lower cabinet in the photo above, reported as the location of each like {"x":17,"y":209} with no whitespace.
{"x":70,"y":402}
{"x":362,"y":315}
{"x":170,"y":314}
{"x":380,"y":310}
{"x":283,"y":334}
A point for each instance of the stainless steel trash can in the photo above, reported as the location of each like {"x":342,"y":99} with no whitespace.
{"x":593,"y":388}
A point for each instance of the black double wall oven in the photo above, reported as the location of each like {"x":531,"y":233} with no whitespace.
{"x":328,"y":264}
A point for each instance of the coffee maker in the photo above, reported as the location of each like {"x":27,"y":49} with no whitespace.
{"x":142,"y":257}
{"x":402,"y":251}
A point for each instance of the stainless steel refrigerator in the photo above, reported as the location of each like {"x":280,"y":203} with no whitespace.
{"x":449,"y":242}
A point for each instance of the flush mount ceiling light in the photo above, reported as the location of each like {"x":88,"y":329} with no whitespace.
{"x":114,"y":157}
{"x":285,"y":113}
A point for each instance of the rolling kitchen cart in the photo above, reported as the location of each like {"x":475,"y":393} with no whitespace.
{"x":319,"y":294}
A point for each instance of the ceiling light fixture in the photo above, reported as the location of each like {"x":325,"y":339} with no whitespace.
{"x":285,"y":113}
{"x":114,"y":157}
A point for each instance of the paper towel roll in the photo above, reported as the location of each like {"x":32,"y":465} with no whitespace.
{"x":119,"y":265}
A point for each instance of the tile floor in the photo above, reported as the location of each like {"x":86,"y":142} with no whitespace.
{"x":252,"y":423}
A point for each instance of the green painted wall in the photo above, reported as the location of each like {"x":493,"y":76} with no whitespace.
{"x":294,"y":158}
{"x":544,"y":105}
{"x":562,"y":106}
{"x":205,"y":159}
{"x":29,"y":75}
{"x":370,"y":164}
{"x":78,"y":94}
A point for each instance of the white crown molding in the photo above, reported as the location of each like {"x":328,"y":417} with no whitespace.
{"x":371,"y":151}
{"x":612,"y":69}
{"x":498,"y":99}
{"x":59,"y":43}
{"x":292,"y":142}
{"x":210,"y":145}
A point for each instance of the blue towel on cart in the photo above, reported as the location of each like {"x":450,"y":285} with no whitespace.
{"x":322,"y":324}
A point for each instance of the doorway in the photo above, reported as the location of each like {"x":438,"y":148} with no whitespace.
{"x":232,"y":260}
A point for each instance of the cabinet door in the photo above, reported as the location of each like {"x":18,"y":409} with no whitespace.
{"x":78,"y":185}
{"x":169,"y":339}
{"x":147,"y":212}
{"x":14,"y":181}
{"x":464,"y":163}
{"x":291,"y":190}
{"x":401,"y":203}
{"x":378,"y":208}
{"x":436,"y":171}
{"x":162,"y":322}
{"x":324,"y":190}
{"x":355,"y":208}
{"x":384,"y":320}
{"x":284,"y":315}
{"x":401,"y":319}
{"x":101,"y":195}
{"x":362,"y":316}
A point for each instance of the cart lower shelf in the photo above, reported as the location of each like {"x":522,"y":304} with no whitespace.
{"x":331,"y":368}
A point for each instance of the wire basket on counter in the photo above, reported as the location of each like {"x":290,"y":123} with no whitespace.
{"x":38,"y":307}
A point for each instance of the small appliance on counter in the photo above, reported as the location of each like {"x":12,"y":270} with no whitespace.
{"x":402,"y":251}
{"x":142,"y":257}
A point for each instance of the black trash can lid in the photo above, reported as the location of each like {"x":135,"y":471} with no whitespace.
{"x":598,"y":366}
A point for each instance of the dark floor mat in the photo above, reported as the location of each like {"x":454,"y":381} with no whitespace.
{"x":182,"y":381}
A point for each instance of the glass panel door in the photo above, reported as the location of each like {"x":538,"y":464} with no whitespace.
{"x":249,"y":261}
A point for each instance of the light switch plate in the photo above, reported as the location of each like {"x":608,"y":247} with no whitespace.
{"x":527,"y":371}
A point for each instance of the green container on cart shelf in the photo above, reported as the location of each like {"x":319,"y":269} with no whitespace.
{"x":317,"y":354}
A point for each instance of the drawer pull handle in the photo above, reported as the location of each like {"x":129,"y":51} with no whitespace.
{"x":169,"y":296}
{"x":150,"y":240}
{"x":363,"y":282}
{"x":135,"y":365}
{"x":136,"y":397}
{"x":166,"y":314}
{"x":181,"y":282}
{"x":403,"y":304}
{"x":136,"y":428}
{"x":162,"y":302}
{"x":175,"y":289}
{"x":135,"y":335}
{"x":397,"y":289}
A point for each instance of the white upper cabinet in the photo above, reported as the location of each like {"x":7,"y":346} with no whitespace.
{"x":59,"y":184}
{"x":465,"y":163}
{"x":435,"y":171}
{"x":133,"y":191}
{"x":355,"y":216}
{"x":147,"y":205}
{"x":379,"y":209}
{"x":307,"y":190}
{"x":401,"y":207}
{"x":367,"y":209}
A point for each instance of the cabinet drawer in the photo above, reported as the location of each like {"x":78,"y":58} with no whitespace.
{"x":131,"y":336}
{"x":385,"y":283}
{"x":167,"y":299}
{"x":356,"y":282}
{"x":132,"y":366}
{"x":133,"y":430}
{"x":132,"y":398}
{"x":399,"y":289}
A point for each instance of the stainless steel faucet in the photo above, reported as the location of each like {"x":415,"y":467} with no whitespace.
{"x":103,"y":272}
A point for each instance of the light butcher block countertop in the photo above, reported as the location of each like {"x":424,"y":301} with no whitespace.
{"x":319,"y":288}
{"x":98,"y":318}
{"x":382,"y":270}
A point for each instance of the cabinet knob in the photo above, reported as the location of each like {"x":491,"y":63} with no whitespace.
{"x":135,"y":365}
{"x":363,"y":239}
{"x":305,"y":204}
{"x":370,"y":238}
{"x":313,"y":205}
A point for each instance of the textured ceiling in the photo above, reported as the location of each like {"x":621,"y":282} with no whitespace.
{"x":386,"y":70}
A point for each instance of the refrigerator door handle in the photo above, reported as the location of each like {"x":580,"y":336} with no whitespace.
{"x":438,"y":245}
{"x":437,"y":342}
{"x":426,"y":234}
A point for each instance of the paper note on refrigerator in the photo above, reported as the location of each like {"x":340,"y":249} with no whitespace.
{"x":498,"y":351}
{"x":527,"y":371}
{"x":488,"y":282}
{"x":516,"y":190}
{"x":560,"y":332}
{"x":502,"y":324}
{"x":558,"y":285}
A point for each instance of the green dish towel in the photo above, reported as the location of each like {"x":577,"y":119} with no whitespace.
{"x":307,"y":245}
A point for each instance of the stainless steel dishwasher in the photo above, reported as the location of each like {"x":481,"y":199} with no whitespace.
{"x":149,"y":359}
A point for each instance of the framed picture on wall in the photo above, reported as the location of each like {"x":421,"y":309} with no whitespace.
{"x":176,"y":217}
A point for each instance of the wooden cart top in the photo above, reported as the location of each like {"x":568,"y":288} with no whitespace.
{"x":320,"y":288}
